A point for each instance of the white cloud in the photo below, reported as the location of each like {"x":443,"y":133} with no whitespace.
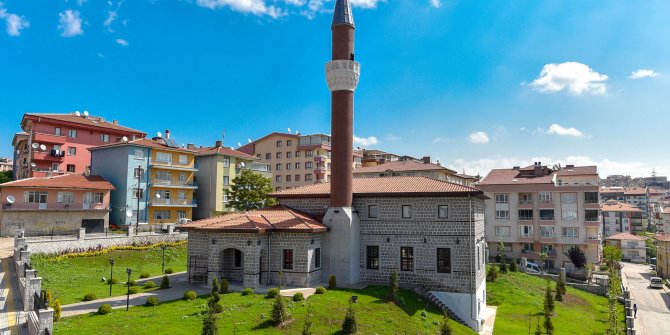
{"x":121,"y":41}
{"x":69,"y":23}
{"x":256,"y":7}
{"x":14,"y":22}
{"x":307,"y":8}
{"x":563,"y":131}
{"x":478,"y":137}
{"x":365,"y":3}
{"x":297,"y":3}
{"x":111,"y":17}
{"x":392,"y":138}
{"x":81,"y":2}
{"x":576,"y":78}
{"x":365,"y":141}
{"x":643,"y":73}
{"x":436,"y":3}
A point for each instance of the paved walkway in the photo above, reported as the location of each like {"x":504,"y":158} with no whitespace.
{"x":11,"y":306}
{"x":653,"y":305}
{"x":489,"y":315}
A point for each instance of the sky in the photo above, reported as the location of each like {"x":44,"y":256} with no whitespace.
{"x":474,"y":84}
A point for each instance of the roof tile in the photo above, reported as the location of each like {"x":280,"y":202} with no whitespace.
{"x":276,"y":218}
{"x":75,"y":181}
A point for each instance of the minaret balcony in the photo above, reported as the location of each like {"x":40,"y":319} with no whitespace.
{"x":342,"y":75}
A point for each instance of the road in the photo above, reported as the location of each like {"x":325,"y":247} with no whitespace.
{"x":653,"y":305}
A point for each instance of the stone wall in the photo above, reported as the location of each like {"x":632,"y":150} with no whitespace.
{"x":311,"y":206}
{"x":41,"y":222}
{"x":98,"y":241}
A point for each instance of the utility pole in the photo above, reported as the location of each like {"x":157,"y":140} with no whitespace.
{"x":137,"y":222}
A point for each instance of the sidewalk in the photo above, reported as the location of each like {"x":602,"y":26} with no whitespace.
{"x":11,"y":306}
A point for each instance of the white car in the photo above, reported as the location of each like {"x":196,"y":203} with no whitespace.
{"x":656,"y":282}
{"x":533,"y":268}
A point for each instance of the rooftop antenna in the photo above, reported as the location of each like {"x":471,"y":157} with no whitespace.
{"x":239,"y":144}
{"x":158,"y":134}
{"x":43,"y":147}
{"x":10,"y":199}
{"x":33,"y":165}
{"x":223,"y":138}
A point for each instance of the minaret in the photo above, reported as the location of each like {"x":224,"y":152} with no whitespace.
{"x":342,"y":246}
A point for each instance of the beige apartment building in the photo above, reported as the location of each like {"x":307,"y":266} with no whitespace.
{"x":295,"y":160}
{"x":542,"y":209}
{"x":410,"y":167}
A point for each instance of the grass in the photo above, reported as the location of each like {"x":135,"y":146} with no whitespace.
{"x":71,"y":278}
{"x":245,"y":314}
{"x":517,"y":295}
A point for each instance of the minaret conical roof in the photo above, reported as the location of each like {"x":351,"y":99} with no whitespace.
{"x":342,"y":14}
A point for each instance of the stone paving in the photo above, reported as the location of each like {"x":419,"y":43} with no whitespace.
{"x":11,"y":306}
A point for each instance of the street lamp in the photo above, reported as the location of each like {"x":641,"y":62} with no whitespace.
{"x":111,"y":275}
{"x":163,"y":246}
{"x":128,"y":271}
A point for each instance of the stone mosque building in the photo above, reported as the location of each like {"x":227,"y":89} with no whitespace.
{"x":360,"y":230}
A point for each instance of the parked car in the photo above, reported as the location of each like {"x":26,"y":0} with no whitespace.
{"x":656,"y":282}
{"x":533,"y":268}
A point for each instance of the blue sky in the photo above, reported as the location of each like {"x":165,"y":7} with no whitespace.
{"x":475,"y":84}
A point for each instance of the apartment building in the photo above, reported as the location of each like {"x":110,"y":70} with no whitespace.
{"x":542,"y":209}
{"x":58,"y":143}
{"x":636,"y":196}
{"x":409,"y":167}
{"x":663,"y":255}
{"x":6,"y":164}
{"x":55,"y":205}
{"x":619,"y":217}
{"x":633,"y":248}
{"x":295,"y":160}
{"x":374,"y":157}
{"x":217,"y":168}
{"x":154,"y":179}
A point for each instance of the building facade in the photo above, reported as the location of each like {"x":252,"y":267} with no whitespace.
{"x":217,"y":168}
{"x":58,"y":143}
{"x":619,"y":217}
{"x":6,"y":164}
{"x":54,"y":205}
{"x":663,"y":255}
{"x":409,"y":168}
{"x":154,"y":180}
{"x":633,"y":247}
{"x":538,"y":209}
{"x":636,"y":196}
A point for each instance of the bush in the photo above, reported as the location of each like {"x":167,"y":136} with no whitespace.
{"x":104,"y":309}
{"x":492,"y":275}
{"x":214,"y":298}
{"x":577,"y":257}
{"x":320,"y":290}
{"x":445,"y":328}
{"x":248,"y":291}
{"x":215,"y":285}
{"x":350,"y":325}
{"x":48,"y":297}
{"x":151,"y":301}
{"x":503,"y":265}
{"x":57,"y":310}
{"x":332,"y":282}
{"x":190,"y":295}
{"x":224,"y":286}
{"x":394,"y":280}
{"x":273,"y":292}
{"x":560,"y":288}
{"x":279,"y":312}
{"x":513,"y":267}
{"x":149,"y":284}
{"x":134,"y":290}
{"x":131,"y":282}
{"x":298,"y":296}
{"x":169,"y":271}
{"x":112,"y":281}
{"x":89,"y":297}
{"x":144,"y":275}
{"x":165,"y":283}
{"x":209,"y":325}
{"x":216,"y":308}
{"x":548,"y":299}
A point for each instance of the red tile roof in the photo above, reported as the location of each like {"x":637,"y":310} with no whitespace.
{"x":625,"y":236}
{"x":386,"y":187}
{"x":92,"y":121}
{"x":73,"y":181}
{"x":513,"y":176}
{"x":143,"y":142}
{"x":662,"y":237}
{"x":222,"y":151}
{"x":615,"y":206}
{"x":408,"y":165}
{"x":276,"y":218}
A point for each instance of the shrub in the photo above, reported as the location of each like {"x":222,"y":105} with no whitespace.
{"x":307,"y":325}
{"x":112,"y":281}
{"x":149,"y":284}
{"x":503,"y":265}
{"x":548,"y":325}
{"x":273,"y":292}
{"x":320,"y":290}
{"x":394,"y":279}
{"x":350,"y":325}
{"x":548,"y":299}
{"x":209,"y":325}
{"x":151,"y":301}
{"x":298,"y":296}
{"x":214,"y":298}
{"x":89,"y":297}
{"x":513,"y":267}
{"x":279,"y":312}
{"x":560,"y":287}
{"x":248,"y":291}
{"x":48,"y":297}
{"x":332,"y":282}
{"x":224,"y":286}
{"x":169,"y":271}
{"x":445,"y":328}
{"x":492,"y":275}
{"x":165,"y":283}
{"x":577,"y":257}
{"x":134,"y":290}
{"x":131,"y":282}
{"x":215,"y":285}
{"x":190,"y":295}
{"x":57,"y":310}
{"x":216,"y":308}
{"x":104,"y":309}
{"x":144,"y":275}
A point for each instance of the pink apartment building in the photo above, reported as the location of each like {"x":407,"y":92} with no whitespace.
{"x":54,"y":144}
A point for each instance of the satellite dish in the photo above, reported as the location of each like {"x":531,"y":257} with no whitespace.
{"x":43,"y":147}
{"x":239,"y":144}
{"x":76,"y":113}
{"x":10,"y":199}
{"x":158,"y":196}
{"x":129,"y":213}
{"x":33,"y":165}
{"x":249,"y":140}
{"x":297,"y":132}
{"x":18,"y":152}
{"x":125,"y":139}
{"x":159,"y":134}
{"x":85,"y":113}
{"x":289,"y":130}
{"x":35,"y":145}
{"x":242,"y":164}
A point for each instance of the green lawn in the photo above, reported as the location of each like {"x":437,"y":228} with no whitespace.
{"x":245,"y":314}
{"x":69,"y":279}
{"x":518,"y":294}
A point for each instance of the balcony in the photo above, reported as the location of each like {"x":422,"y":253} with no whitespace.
{"x":173,"y":184}
{"x":256,"y":167}
{"x":593,"y":240}
{"x":526,"y":218}
{"x":592,"y":223}
{"x":171,"y":165}
{"x":591,"y":205}
{"x":546,"y":203}
{"x":320,"y":170}
{"x":320,"y":158}
{"x":547,"y":239}
{"x":54,"y":206}
{"x":174,"y":203}
{"x":46,"y":156}
{"x":48,"y":138}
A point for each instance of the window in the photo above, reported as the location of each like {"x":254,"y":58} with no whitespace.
{"x":373,"y":211}
{"x":548,"y":248}
{"x":279,"y":143}
{"x":278,"y":178}
{"x":35,"y":197}
{"x":308,"y":177}
{"x":139,"y":153}
{"x":104,"y":137}
{"x":308,"y":165}
{"x":296,"y":177}
{"x":258,"y":156}
{"x":55,"y":167}
{"x":278,"y":167}
{"x":183,"y":177}
{"x":138,"y":192}
{"x":503,"y":231}
{"x":161,"y":215}
{"x":309,"y":153}
{"x":289,"y":143}
{"x":444,"y":260}
{"x":226,"y":180}
{"x":570,"y":232}
{"x":164,"y":194}
{"x":238,"y":259}
{"x":525,"y":231}
{"x":547,"y":231}
{"x":502,"y":214}
{"x":66,"y":197}
{"x":164,"y":157}
{"x":545,"y":197}
{"x":288,"y":177}
{"x":72,"y":133}
{"x":135,"y":214}
{"x":569,"y":215}
{"x":71,"y":151}
{"x":591,"y":197}
{"x":525,"y":198}
{"x":569,"y":198}
{"x":183,"y":159}
{"x":289,"y":166}
{"x":181,"y":195}
{"x":98,"y":198}
{"x":527,"y":247}
{"x":225,"y":198}
{"x":268,"y":156}
{"x":406,"y":211}
{"x":406,"y":259}
{"x":591,"y":215}
{"x":525,"y":214}
{"x":443,"y":211}
{"x":372,"y":257}
{"x":546,"y":214}
{"x":138,"y":173}
{"x":278,"y":155}
{"x":163,"y":175}
{"x":502,"y":198}
{"x":57,"y":147}
{"x":70,"y":168}
{"x":57,"y":131}
{"x":181,"y":214}
{"x":569,"y":206}
{"x":277,"y":189}
{"x":287,"y":259}
{"x":297,"y":154}
{"x":297,"y":166}
{"x":289,"y":154}
{"x":317,"y":257}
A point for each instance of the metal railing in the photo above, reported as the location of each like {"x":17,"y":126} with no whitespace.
{"x":173,"y":183}
{"x":40,"y":301}
{"x":54,"y":206}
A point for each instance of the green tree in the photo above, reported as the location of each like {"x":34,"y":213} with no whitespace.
{"x":279,"y":312}
{"x":513,"y":266}
{"x":5,"y":176}
{"x":548,"y":299}
{"x":613,"y":292}
{"x":209,"y":325}
{"x":577,"y":257}
{"x":538,"y":329}
{"x":544,"y":256}
{"x":350,"y":325}
{"x":560,"y":287}
{"x":394,"y":286}
{"x":215,"y":285}
{"x":612,"y":255}
{"x":250,"y":190}
{"x":590,"y":267}
{"x":492,"y":275}
{"x":503,"y":265}
{"x":445,"y":327}
{"x":307,"y":326}
{"x":548,"y":324}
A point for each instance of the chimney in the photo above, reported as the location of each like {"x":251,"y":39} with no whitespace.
{"x":218,"y":144}
{"x":538,"y":169}
{"x":115,"y":121}
{"x":190,"y":146}
{"x":167,"y":134}
{"x":426,"y":159}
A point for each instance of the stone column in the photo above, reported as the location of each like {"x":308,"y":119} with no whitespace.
{"x":213,"y":260}
{"x":46,"y":320}
{"x":82,"y":233}
{"x":130,"y":230}
{"x":250,"y":267}
{"x":524,"y":263}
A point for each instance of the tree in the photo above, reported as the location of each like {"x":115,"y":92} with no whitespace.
{"x":548,"y":325}
{"x":307,"y":326}
{"x":5,"y":176}
{"x":445,"y":327}
{"x":538,"y":329}
{"x":492,"y":275}
{"x":544,"y":256}
{"x":612,"y":255}
{"x":513,"y":266}
{"x":501,"y":250}
{"x":250,"y":191}
{"x":613,"y":292}
{"x":548,"y":299}
{"x":215,"y":285}
{"x":279,"y":312}
{"x":209,"y":326}
{"x":503,"y":265}
{"x":577,"y":257}
{"x":560,"y":287}
{"x":590,"y":267}
{"x":350,"y":325}
{"x":394,"y":279}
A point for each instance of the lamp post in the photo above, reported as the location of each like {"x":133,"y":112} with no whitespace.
{"x":111,"y":275}
{"x":163,"y":246}
{"x":128,"y":271}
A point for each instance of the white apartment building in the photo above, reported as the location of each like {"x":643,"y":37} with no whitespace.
{"x":633,"y":248}
{"x":636,"y":196}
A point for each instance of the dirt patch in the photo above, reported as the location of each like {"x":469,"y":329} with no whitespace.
{"x":571,"y":300}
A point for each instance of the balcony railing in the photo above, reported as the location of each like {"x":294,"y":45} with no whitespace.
{"x":53,"y":206}
{"x":171,"y":164}
{"x":526,"y":235}
{"x":547,"y":218}
{"x":525,"y":218}
{"x":46,"y":156}
{"x":591,"y":219}
{"x":173,"y":202}
{"x":163,"y":182}
{"x":48,"y":138}
{"x":525,"y":201}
